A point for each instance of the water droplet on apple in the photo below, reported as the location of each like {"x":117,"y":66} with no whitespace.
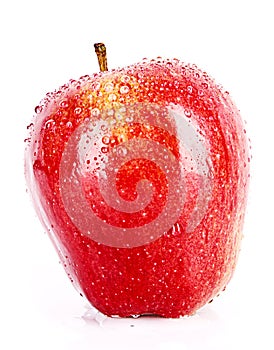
{"x":198,"y":276}
{"x":95,"y":85}
{"x":108,"y":87}
{"x":122,"y":151}
{"x":84,"y":78}
{"x":189,"y":89}
{"x":129,"y":119}
{"x":124,"y":89}
{"x":187,"y":114}
{"x":103,"y":127}
{"x":135,"y":316}
{"x":63,"y":104}
{"x":38,"y":109}
{"x":105,"y":140}
{"x":73,"y":82}
{"x":69,"y":124}
{"x":210,"y":167}
{"x":95,"y":112}
{"x":104,"y":149}
{"x":50,"y":123}
{"x":125,"y":79}
{"x":77,"y":110}
{"x":112,"y":97}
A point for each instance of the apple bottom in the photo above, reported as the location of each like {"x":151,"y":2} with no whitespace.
{"x":167,"y":278}
{"x":172,"y":276}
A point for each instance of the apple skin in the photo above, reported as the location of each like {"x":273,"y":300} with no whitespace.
{"x":183,"y":267}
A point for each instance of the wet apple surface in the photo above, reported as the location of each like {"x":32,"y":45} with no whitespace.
{"x":140,"y":176}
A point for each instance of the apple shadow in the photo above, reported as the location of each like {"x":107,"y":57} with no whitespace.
{"x":205,"y":329}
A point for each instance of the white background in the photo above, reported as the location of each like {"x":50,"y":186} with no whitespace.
{"x":43,"y":44}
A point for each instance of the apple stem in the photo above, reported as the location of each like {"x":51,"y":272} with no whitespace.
{"x":101,"y":53}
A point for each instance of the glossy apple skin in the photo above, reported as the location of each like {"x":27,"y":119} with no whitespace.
{"x":187,"y":264}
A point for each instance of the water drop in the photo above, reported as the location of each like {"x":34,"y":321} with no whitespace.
{"x":95,"y":112}
{"x":124,"y":89}
{"x":84,"y":78}
{"x":110,"y":112}
{"x":30,"y":126}
{"x":95,"y":86}
{"x":69,"y":124}
{"x":49,"y":123}
{"x":77,"y":110}
{"x":73,"y":82}
{"x":129,"y":119}
{"x":104,"y":149}
{"x":125,"y":79}
{"x":108,"y":87}
{"x":190,"y":89}
{"x":210,"y":168}
{"x":38,"y":109}
{"x":122,"y":151}
{"x":199,"y":276}
{"x":105,"y":140}
{"x":112,"y":97}
{"x":187,"y":113}
{"x":63,"y":104}
{"x":121,"y":138}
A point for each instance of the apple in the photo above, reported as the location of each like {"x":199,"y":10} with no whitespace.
{"x":140,"y":177}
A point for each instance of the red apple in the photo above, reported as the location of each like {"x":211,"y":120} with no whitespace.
{"x":140,"y":176}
